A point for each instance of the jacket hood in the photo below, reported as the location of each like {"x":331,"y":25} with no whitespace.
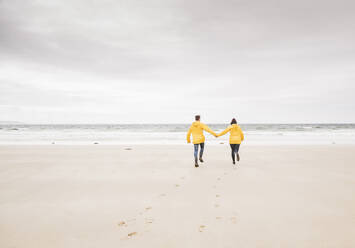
{"x":196,"y":123}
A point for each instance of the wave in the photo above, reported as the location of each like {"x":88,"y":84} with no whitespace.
{"x":171,"y":133}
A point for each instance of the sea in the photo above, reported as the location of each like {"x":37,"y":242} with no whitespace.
{"x":171,"y":134}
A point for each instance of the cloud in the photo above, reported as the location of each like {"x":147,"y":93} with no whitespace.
{"x":174,"y":58}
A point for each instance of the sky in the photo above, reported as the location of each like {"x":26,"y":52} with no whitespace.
{"x":163,"y":61}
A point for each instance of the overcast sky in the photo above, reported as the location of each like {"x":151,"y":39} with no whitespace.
{"x":81,"y":61}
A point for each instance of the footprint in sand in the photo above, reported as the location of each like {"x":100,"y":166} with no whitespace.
{"x":218,"y":218}
{"x":201,"y":228}
{"x":162,"y":195}
{"x":182,"y":177}
{"x":233,"y":219}
{"x":148,"y":221}
{"x":148,"y":208}
{"x":122,"y":223}
{"x":132,"y":234}
{"x":217,"y":196}
{"x":216,"y":205}
{"x":218,"y":178}
{"x":177,"y":185}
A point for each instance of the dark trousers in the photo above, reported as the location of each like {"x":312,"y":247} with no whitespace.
{"x":202,"y":145}
{"x":235,"y":149}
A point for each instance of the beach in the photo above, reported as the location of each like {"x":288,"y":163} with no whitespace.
{"x":153,"y":196}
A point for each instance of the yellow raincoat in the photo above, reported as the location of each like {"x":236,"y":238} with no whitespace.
{"x":196,"y":129}
{"x":236,"y":134}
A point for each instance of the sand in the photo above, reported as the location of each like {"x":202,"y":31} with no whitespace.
{"x":152,"y":196}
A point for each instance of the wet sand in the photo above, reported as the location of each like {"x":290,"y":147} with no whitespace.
{"x":152,"y":196}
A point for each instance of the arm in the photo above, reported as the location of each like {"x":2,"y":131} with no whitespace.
{"x":188,"y":135}
{"x":241,"y":134}
{"x":206,"y":128}
{"x":224,"y":132}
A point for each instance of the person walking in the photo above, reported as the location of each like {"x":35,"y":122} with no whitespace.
{"x":235,"y":139}
{"x":196,"y":129}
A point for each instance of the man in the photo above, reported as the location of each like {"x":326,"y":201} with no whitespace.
{"x":196,"y":129}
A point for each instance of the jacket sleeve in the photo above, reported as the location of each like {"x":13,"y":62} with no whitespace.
{"x":241,"y":134}
{"x":224,"y":132}
{"x":206,"y":128}
{"x":188,"y":136}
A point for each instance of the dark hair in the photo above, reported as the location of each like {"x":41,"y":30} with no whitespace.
{"x":197,"y":117}
{"x":234,"y":121}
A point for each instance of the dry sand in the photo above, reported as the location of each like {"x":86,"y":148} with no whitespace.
{"x":152,"y":196}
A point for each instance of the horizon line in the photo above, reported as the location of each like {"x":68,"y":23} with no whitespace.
{"x":170,"y":123}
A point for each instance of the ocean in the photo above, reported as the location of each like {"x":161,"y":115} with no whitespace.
{"x":111,"y":134}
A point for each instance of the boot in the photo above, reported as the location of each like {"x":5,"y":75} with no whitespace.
{"x":201,"y":160}
{"x":238,"y":158}
{"x":196,"y":164}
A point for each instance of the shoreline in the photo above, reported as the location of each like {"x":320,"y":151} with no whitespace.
{"x":173,"y":144}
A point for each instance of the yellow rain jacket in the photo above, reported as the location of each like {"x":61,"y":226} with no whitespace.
{"x":196,"y":130}
{"x":236,"y":134}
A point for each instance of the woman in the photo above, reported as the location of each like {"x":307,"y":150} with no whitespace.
{"x":236,"y":137}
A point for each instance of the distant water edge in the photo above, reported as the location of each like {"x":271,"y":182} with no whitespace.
{"x":172,"y":134}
